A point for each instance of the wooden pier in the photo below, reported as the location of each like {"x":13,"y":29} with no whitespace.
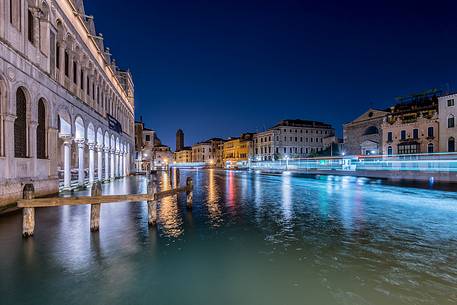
{"x":29,"y":203}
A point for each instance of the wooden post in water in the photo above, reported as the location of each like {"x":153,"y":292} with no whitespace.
{"x":189,"y":192}
{"x":152,"y":204}
{"x":177,"y":178}
{"x":170,"y":176}
{"x":96,"y":190}
{"x":28,"y":214}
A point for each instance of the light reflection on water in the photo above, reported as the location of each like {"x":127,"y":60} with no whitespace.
{"x":249,"y":239}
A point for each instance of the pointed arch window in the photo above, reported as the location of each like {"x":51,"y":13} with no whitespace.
{"x":41,"y":131}
{"x":20,"y":125}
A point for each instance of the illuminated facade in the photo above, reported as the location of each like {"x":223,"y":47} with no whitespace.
{"x":202,"y":152}
{"x":291,"y":139}
{"x":237,"y":150}
{"x":363,"y":136}
{"x":411,"y":128}
{"x":183,"y":156}
{"x":66,"y":110}
{"x":447,"y":117}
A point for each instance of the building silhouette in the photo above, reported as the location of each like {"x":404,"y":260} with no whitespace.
{"x":179,"y":140}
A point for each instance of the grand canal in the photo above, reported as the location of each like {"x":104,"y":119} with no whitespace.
{"x":250,"y":239}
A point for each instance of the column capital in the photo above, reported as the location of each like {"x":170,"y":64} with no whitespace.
{"x":80,"y":142}
{"x":92,"y":146}
{"x":67,"y":139}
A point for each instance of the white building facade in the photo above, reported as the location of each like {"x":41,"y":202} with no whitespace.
{"x":291,"y":139}
{"x":66,"y":110}
{"x":447,"y":111}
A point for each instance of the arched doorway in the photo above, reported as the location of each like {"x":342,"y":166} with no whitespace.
{"x":451,"y":145}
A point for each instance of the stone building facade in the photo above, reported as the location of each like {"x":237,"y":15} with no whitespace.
{"x":237,"y":150}
{"x":66,"y":110}
{"x":411,"y":128}
{"x":363,"y":136}
{"x":183,"y":156}
{"x":291,"y":139}
{"x":447,"y":110}
{"x":202,"y":152}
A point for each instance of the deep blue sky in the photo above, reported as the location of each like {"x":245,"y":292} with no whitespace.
{"x":220,"y":68}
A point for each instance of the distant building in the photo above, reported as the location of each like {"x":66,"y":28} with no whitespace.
{"x":179,"y":140}
{"x":208,"y":152}
{"x":183,"y":156}
{"x":292,"y":139}
{"x":412,"y":127}
{"x":162,"y":156}
{"x":363,"y":136}
{"x":202,"y":152}
{"x":447,"y":122}
{"x":237,"y":150}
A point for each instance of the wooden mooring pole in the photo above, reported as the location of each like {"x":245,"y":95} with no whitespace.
{"x":96,"y":190}
{"x":28,"y":214}
{"x":189,"y":192}
{"x":152,"y":204}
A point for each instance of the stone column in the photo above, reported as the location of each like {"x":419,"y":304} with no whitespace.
{"x":107,"y":163}
{"x":99,"y":162}
{"x":121,"y":167}
{"x":116,"y":163}
{"x":112,"y":164}
{"x":80,"y":161}
{"x":67,"y":162}
{"x":91,"y":162}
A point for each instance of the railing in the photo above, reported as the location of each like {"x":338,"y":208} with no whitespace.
{"x":29,"y":203}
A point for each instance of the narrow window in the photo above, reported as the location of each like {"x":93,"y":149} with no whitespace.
{"x":30,"y":31}
{"x":450,"y":122}
{"x":74,"y":72}
{"x":41,"y":131}
{"x":20,"y":125}
{"x":415,"y":133}
{"x":66,"y":63}
{"x":430,"y":132}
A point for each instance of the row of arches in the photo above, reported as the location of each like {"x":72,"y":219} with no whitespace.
{"x":75,"y":142}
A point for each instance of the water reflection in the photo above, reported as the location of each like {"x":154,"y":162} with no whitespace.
{"x":214,"y":209}
{"x":330,"y":240}
{"x":169,"y":217}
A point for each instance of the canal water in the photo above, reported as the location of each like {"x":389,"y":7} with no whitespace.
{"x":250,"y":239}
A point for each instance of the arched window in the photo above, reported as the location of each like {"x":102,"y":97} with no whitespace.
{"x":450,"y":121}
{"x":451,"y":145}
{"x":389,"y":150}
{"x":371,"y":130}
{"x":430,"y":148}
{"x":20,"y":125}
{"x":41,"y":131}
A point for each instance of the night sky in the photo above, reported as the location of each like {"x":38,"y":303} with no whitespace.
{"x":219,"y":68}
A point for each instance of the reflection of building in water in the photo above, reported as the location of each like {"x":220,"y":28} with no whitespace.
{"x":214,"y":210}
{"x":169,"y":217}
